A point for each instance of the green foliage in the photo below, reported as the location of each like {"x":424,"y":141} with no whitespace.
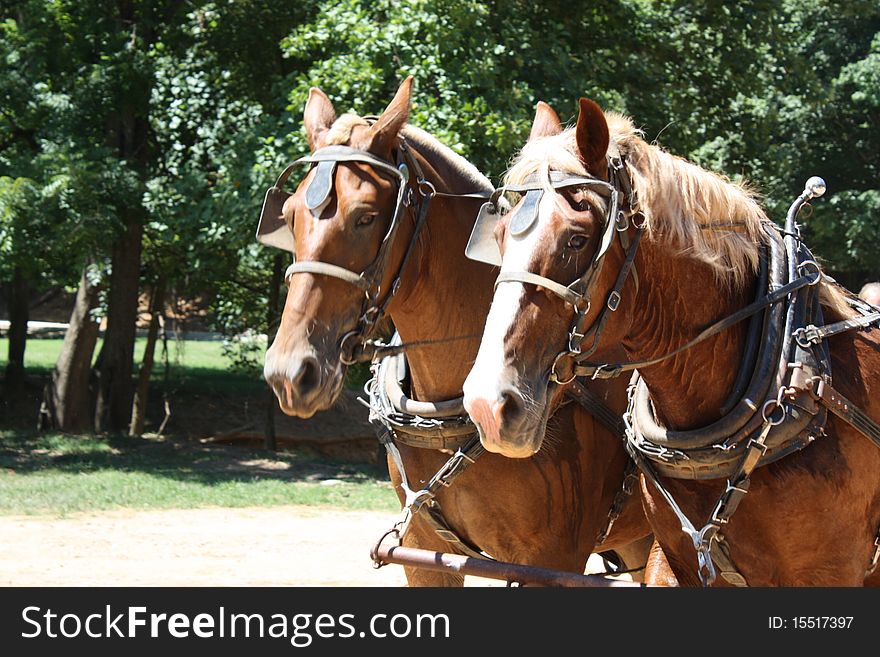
{"x":772,"y":91}
{"x":480,"y":67}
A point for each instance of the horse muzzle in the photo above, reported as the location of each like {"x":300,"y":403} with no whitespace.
{"x":303,"y":383}
{"x":504,"y":423}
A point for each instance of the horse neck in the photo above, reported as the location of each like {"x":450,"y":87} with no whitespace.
{"x":443,"y":295}
{"x":679,"y":297}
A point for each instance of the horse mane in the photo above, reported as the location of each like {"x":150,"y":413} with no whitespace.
{"x":700,"y":213}
{"x":428,"y":144}
{"x":424,"y":143}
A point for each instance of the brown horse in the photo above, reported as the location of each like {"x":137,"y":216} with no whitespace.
{"x":546,"y":510}
{"x":809,"y":518}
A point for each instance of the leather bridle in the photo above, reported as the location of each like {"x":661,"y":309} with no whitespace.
{"x":622,"y":212}
{"x":351,"y":346}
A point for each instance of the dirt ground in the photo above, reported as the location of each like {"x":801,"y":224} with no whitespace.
{"x":279,"y":546}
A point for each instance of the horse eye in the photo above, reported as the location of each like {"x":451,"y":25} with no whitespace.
{"x":582,"y":205}
{"x":577,"y":242}
{"x":366,"y":219}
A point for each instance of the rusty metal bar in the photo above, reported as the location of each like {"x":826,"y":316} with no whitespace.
{"x":508,"y":572}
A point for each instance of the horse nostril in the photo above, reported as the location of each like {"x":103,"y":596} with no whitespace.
{"x":308,"y":376}
{"x":513,"y":407}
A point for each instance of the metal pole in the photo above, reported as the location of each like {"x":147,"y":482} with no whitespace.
{"x":509,"y":572}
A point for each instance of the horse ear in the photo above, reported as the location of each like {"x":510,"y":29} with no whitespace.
{"x":318,"y":116}
{"x":392,"y":120}
{"x":546,"y":123}
{"x":592,"y":137}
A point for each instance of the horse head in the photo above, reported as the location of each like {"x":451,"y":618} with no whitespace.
{"x":553,"y":242}
{"x":342,"y":220}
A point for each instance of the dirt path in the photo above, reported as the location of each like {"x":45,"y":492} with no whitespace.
{"x":282,"y":546}
{"x":278,"y":546}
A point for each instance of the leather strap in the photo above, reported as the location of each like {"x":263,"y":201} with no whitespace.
{"x":596,"y":407}
{"x":566,"y":293}
{"x":338,"y":153}
{"x":811,"y":334}
{"x":560,"y":179}
{"x":611,"y":370}
{"x":327,"y":269}
{"x":846,"y":410}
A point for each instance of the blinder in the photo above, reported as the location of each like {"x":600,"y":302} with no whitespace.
{"x":482,"y":246}
{"x":318,"y":193}
{"x":272,"y":229}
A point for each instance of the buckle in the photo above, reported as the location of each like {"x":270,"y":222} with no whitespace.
{"x":634,"y":200}
{"x":613,"y":300}
{"x":573,"y":348}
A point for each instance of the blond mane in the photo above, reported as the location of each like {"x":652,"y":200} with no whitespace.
{"x":340,"y":131}
{"x":698,"y":212}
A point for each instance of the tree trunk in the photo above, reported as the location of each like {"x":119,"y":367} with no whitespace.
{"x":128,"y":134}
{"x":18,"y":322}
{"x":271,"y":328}
{"x":139,"y":407}
{"x":115,"y":362}
{"x":67,"y":398}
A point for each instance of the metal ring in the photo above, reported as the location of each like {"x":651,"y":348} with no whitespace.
{"x":371,"y":314}
{"x":800,"y":338}
{"x":344,"y":357}
{"x":638,"y":218}
{"x":768,"y":416}
{"x":427,"y":185}
{"x":811,"y":263}
{"x":586,"y":310}
{"x":554,"y":377}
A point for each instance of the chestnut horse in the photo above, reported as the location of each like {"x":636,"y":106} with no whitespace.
{"x":810,"y":517}
{"x":545,"y":510}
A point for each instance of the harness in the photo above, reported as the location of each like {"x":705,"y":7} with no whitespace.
{"x":445,"y":425}
{"x":779,"y":403}
{"x":431,"y":425}
{"x":781,"y":396}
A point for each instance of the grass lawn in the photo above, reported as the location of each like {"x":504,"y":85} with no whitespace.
{"x":195,"y":364}
{"x":59,"y":474}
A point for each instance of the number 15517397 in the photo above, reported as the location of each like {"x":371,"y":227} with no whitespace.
{"x":810,"y":622}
